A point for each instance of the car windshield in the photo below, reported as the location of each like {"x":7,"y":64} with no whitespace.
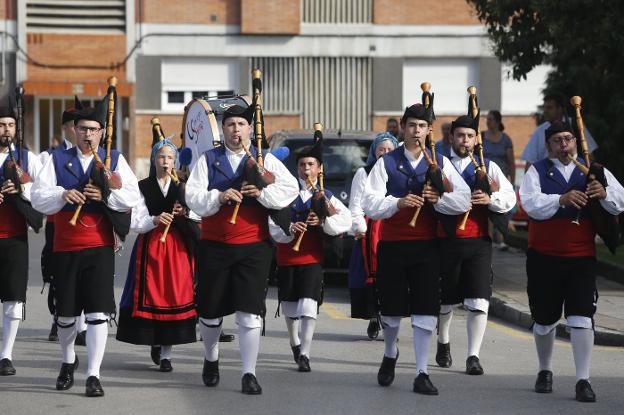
{"x":341,"y":158}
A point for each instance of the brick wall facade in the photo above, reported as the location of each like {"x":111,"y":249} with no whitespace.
{"x":423,"y":12}
{"x":8,"y":9}
{"x":194,"y":12}
{"x":270,"y":17}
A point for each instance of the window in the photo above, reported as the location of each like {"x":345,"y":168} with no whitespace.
{"x":175,"y":97}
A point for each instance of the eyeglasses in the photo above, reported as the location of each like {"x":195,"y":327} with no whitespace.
{"x":88,"y":130}
{"x":559,"y":140}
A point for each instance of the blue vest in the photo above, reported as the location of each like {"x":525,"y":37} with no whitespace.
{"x":69,"y":173}
{"x":552,"y":182}
{"x":401,"y":177}
{"x":469,"y":174}
{"x":220,"y":174}
{"x":23,"y":161}
{"x":299,"y":210}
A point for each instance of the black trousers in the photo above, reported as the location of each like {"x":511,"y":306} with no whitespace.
{"x":13,"y":268}
{"x":300,"y":281}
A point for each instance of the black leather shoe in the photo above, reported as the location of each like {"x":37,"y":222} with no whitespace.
{"x":165,"y":365}
{"x":226,"y":338}
{"x":304,"y":363}
{"x":373,"y":329}
{"x":155,"y":354}
{"x":210,"y":374}
{"x":53,"y":336}
{"x":473,"y":366}
{"x":65,"y":379}
{"x":251,"y":385}
{"x":443,"y":355}
{"x":584,"y":392}
{"x":385,"y":376}
{"x":296,"y":352}
{"x":6,"y":367}
{"x":81,"y":338}
{"x":544,"y":382}
{"x":423,"y":385}
{"x":94,"y":388}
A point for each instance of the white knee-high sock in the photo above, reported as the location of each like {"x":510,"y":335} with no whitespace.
{"x":293,"y":330}
{"x":307,"y":332}
{"x":544,"y":345}
{"x":444,"y":327}
{"x":165,"y":352}
{"x":67,"y":337}
{"x":475,"y":325}
{"x":582,"y":344}
{"x":390,"y":341}
{"x":422,"y":341}
{"x":9,"y":333}
{"x":210,"y":337}
{"x":249,"y":344}
{"x":81,"y":324}
{"x":97,"y":335}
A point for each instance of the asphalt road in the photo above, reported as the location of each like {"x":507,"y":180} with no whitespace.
{"x":343,"y":378}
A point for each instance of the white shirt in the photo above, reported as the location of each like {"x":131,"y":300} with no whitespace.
{"x":205,"y":202}
{"x":541,"y":206}
{"x":358,"y":184}
{"x":333,"y":225}
{"x":34,"y":169}
{"x":47,"y":197}
{"x":535,"y":149}
{"x":142,"y":221}
{"x":377,"y":205}
{"x":501,"y":201}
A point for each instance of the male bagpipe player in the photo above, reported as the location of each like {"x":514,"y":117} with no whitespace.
{"x":233,"y":188}
{"x":91,"y":199}
{"x":18,"y":168}
{"x":406,"y":187}
{"x":466,"y":267}
{"x":567,"y":203}
{"x":313,"y":214}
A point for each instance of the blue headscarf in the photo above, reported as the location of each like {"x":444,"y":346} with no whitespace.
{"x":157,"y":147}
{"x":380,"y":138}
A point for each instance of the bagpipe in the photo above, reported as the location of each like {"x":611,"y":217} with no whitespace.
{"x":13,"y":170}
{"x":101,"y":174}
{"x":435,"y":176}
{"x":254,"y":171}
{"x":605,"y":224}
{"x":483,"y":181}
{"x":319,"y":204}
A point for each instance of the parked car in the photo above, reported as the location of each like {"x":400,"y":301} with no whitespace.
{"x":343,"y":153}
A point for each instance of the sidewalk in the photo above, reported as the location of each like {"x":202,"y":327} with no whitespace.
{"x":510,"y":301}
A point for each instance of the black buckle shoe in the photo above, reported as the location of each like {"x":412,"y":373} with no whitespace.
{"x":65,"y":379}
{"x":544,"y":382}
{"x":210,"y":373}
{"x":53,"y":336}
{"x":81,"y":338}
{"x":423,"y":385}
{"x":6,"y":367}
{"x":226,"y":338}
{"x":296,"y":352}
{"x":155,"y":354}
{"x":165,"y":365}
{"x":473,"y":366}
{"x":385,"y":376}
{"x":373,"y":329}
{"x":443,"y":355}
{"x":584,"y":391}
{"x":94,"y":388}
{"x":304,"y":363}
{"x":251,"y":385}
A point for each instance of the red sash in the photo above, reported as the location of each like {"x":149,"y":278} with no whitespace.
{"x":251,"y":225}
{"x":560,"y":237}
{"x":91,"y":231}
{"x":12,"y":223}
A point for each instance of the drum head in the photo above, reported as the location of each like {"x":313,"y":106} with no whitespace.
{"x":202,"y":123}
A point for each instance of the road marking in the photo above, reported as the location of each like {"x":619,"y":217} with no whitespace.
{"x":334,"y":313}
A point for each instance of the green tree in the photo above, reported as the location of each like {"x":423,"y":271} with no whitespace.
{"x":583,"y":40}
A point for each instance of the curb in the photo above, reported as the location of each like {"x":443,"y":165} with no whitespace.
{"x":501,"y":309}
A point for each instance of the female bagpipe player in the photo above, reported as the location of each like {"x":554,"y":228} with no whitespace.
{"x":314,"y":214}
{"x":157,"y":306}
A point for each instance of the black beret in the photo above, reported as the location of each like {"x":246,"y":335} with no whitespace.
{"x":558,"y":127}
{"x":465,"y":121}
{"x":238,"y":111}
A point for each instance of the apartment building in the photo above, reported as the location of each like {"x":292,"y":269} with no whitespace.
{"x":348,"y":63}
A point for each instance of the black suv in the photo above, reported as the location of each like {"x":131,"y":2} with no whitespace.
{"x":343,"y":153}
